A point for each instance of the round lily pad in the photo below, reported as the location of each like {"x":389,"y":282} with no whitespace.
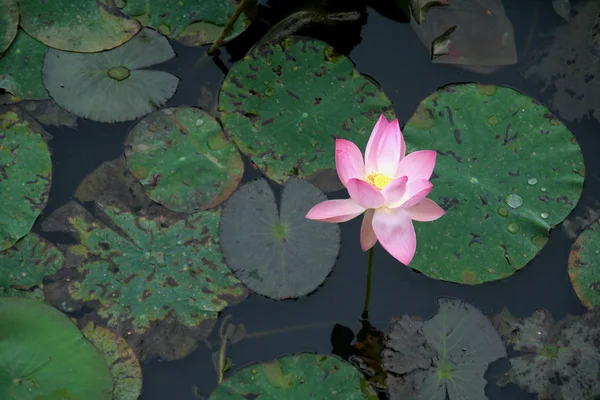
{"x":139,"y":271}
{"x":584,"y":266}
{"x":44,"y":356}
{"x":193,"y":23}
{"x":24,"y":266}
{"x":122,"y":362}
{"x":183,"y":159}
{"x":444,"y":357}
{"x":111,"y":86}
{"x":285,"y":103}
{"x":299,"y":376}
{"x":25,"y":177}
{"x":81,"y":26}
{"x":9,"y":22}
{"x":276,"y":251}
{"x":507,"y":171}
{"x":21,"y":68}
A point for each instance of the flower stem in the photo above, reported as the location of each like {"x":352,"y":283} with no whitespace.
{"x":365,"y":313}
{"x":236,"y":14}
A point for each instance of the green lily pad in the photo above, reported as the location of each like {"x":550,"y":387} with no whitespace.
{"x":122,"y":363}
{"x":447,"y":354}
{"x":183,"y":160}
{"x":9,"y":22}
{"x":584,"y":266}
{"x":145,"y":276}
{"x":559,"y":361}
{"x":24,"y":266}
{"x":284,"y":104}
{"x":44,"y":356}
{"x":507,"y":171}
{"x":276,"y":251}
{"x":193,"y":23}
{"x":83,"y":26}
{"x":112,"y":86}
{"x":25,"y":177}
{"x":300,"y":376}
{"x":21,"y":69}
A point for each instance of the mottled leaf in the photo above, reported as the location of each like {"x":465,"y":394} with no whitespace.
{"x":112,"y":86}
{"x":302,"y":376}
{"x":277,"y":252}
{"x":446,"y":355}
{"x":21,"y":69}
{"x":9,"y":22}
{"x":43,"y":356}
{"x":81,"y":26}
{"x":183,"y":160}
{"x":25,"y":177}
{"x":284,"y":104}
{"x":507,"y":171}
{"x":122,"y":363}
{"x":560,"y":361}
{"x":584,"y":266}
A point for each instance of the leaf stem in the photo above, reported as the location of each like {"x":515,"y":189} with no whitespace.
{"x":365,"y":313}
{"x":222,"y":358}
{"x":236,"y":14}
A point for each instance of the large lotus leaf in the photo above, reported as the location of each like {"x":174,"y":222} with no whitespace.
{"x":25,"y":177}
{"x":24,"y":266}
{"x":194,"y":23}
{"x":21,"y":69}
{"x":277,"y":252}
{"x":122,"y":362}
{"x":301,"y":376}
{"x":447,"y":354}
{"x":80,"y":26}
{"x":140,"y":272}
{"x":183,"y":160}
{"x":284,"y":104}
{"x":584,"y":266}
{"x":44,"y":356}
{"x":507,"y":171}
{"x":111,"y":86}
{"x":9,"y":22}
{"x":560,"y":361}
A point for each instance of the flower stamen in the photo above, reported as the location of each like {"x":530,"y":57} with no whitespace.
{"x":378,"y":180}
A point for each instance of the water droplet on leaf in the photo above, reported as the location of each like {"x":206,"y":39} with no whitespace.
{"x":514,"y":200}
{"x":503,"y":212}
{"x":544,"y":215}
{"x":513,"y":227}
{"x":543,"y":189}
{"x":532,"y":181}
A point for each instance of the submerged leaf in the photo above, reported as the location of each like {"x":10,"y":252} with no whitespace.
{"x":279,"y":254}
{"x":26,"y":174}
{"x":447,"y":354}
{"x":9,"y":22}
{"x":507,"y":172}
{"x":183,"y":160}
{"x":112,"y":86}
{"x":21,"y":68}
{"x":561,"y":361}
{"x":44,"y":356}
{"x":584,"y":266}
{"x":80,"y":26}
{"x":284,"y":104}
{"x":302,"y":376}
{"x":562,"y":8}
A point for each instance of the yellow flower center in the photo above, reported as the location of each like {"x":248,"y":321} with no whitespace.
{"x":378,"y":180}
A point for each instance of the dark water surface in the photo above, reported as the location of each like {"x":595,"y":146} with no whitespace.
{"x":391,"y":53}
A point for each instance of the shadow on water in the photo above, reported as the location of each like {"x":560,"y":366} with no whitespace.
{"x":383,"y":48}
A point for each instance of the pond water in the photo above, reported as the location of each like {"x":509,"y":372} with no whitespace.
{"x":328,"y":319}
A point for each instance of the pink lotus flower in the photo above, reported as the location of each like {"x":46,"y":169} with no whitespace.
{"x":388,"y":187}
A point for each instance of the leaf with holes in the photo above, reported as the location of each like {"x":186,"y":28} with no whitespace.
{"x":507,"y":171}
{"x":193,"y":23}
{"x":448,"y":354}
{"x":277,"y":252}
{"x":183,"y":160}
{"x":82,"y":26}
{"x":112,"y":86}
{"x":284,"y":104}
{"x":584,"y":266}
{"x":25,"y":177}
{"x":301,"y":376}
{"x":44,"y":356}
{"x":558,"y":360}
